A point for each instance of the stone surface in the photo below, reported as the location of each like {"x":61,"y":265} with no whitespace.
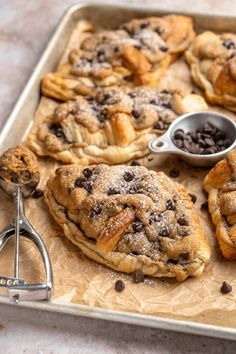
{"x":25,"y":27}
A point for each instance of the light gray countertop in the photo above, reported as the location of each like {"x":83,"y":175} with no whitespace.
{"x":25,"y":27}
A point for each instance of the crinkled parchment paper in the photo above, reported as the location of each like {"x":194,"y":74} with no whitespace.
{"x":78,"y":279}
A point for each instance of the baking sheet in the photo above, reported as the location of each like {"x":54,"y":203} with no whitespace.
{"x":79,"y":280}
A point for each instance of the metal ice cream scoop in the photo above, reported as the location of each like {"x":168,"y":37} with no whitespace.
{"x":19,"y":227}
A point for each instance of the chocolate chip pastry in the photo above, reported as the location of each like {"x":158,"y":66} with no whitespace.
{"x":212,"y":59}
{"x":129,"y":218}
{"x":138,"y":53}
{"x":220,"y":183}
{"x":19,"y":165}
{"x":113,"y":127}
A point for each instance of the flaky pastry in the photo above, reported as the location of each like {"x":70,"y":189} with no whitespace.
{"x":138,"y":53}
{"x":212,"y":59}
{"x":113,"y":127}
{"x":129,"y":218}
{"x":220,"y":183}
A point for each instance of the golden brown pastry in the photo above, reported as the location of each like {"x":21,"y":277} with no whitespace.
{"x":220,"y":183}
{"x":113,"y":127}
{"x":136,"y":54}
{"x":212,"y":58}
{"x":129,"y":218}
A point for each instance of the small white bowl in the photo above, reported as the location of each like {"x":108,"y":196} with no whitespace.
{"x":192,"y":122}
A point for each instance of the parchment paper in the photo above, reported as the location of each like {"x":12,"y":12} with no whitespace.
{"x":78,"y":279}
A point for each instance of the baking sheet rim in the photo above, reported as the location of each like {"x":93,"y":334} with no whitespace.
{"x":85,"y":310}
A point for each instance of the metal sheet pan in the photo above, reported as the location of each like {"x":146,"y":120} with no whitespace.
{"x":22,"y":117}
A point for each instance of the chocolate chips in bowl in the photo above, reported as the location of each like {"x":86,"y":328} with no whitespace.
{"x":199,"y":138}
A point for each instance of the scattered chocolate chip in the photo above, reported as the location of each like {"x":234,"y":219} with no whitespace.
{"x":182,"y":221}
{"x":165,"y":91}
{"x":128,"y":176}
{"x":229,"y":44}
{"x":193,"y":197}
{"x":159,"y":125}
{"x":225,"y":288}
{"x":135,"y":113}
{"x":37,"y":193}
{"x":138,"y":277}
{"x":135,"y":163}
{"x":170,"y":205}
{"x":87,"y":172}
{"x":137,"y":226}
{"x":133,"y":190}
{"x":112,"y":191}
{"x":164,"y":231}
{"x":107,"y":96}
{"x":79,"y":182}
{"x":116,"y":49}
{"x":204,"y":205}
{"x":88,"y":186}
{"x":174,"y":173}
{"x":119,"y":286}
{"x":95,"y":211}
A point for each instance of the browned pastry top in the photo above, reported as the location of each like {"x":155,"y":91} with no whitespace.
{"x":112,"y":127}
{"x":212,"y":58}
{"x":124,"y":210}
{"x":136,"y":54}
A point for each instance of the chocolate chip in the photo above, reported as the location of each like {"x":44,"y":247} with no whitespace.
{"x":153,"y":102}
{"x":159,"y":125}
{"x":182,"y":221}
{"x":112,"y":191}
{"x":179,"y":134}
{"x":132,"y":94}
{"x":225,"y":288}
{"x":174,"y":173}
{"x":229,"y":44}
{"x":170,"y":205}
{"x":57,"y":130}
{"x":164,"y":231}
{"x":165,"y":91}
{"x":155,"y":216}
{"x":116,"y":49}
{"x":135,"y":163}
{"x":14,"y":177}
{"x":178,"y":143}
{"x":135,"y":113}
{"x":107,"y":96}
{"x":204,"y":205}
{"x":167,"y":105}
{"x":128,"y":176}
{"x":193,"y":197}
{"x":37,"y":193}
{"x":137,"y":226}
{"x":79,"y":182}
{"x":95,"y":211}
{"x":88,"y":186}
{"x":163,"y":48}
{"x":209,"y":142}
{"x":119,"y":286}
{"x":144,"y":25}
{"x":138,"y":277}
{"x":87,"y":172}
{"x":220,"y":135}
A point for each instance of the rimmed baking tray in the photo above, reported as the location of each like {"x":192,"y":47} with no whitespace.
{"x":101,"y":15}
